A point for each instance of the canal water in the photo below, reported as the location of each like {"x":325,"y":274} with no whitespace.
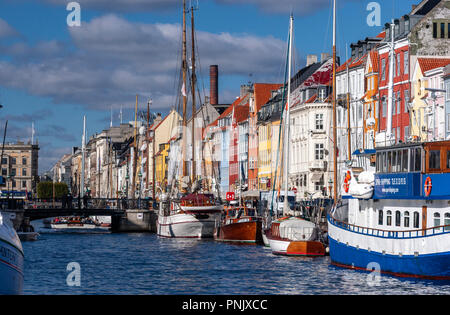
{"x":146,"y":264}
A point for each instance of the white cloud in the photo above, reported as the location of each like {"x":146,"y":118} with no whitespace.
{"x":110,"y":60}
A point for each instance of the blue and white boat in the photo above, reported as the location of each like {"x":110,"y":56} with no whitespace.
{"x":403,"y":229}
{"x":11,"y":259}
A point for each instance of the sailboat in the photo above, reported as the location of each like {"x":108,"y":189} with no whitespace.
{"x":194,"y":215}
{"x":292,"y":236}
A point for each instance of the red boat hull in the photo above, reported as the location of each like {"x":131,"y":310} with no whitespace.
{"x":240,"y":232}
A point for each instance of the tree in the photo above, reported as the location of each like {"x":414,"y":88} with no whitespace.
{"x":45,"y":190}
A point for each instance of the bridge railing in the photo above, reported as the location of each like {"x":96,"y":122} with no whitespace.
{"x":88,"y":203}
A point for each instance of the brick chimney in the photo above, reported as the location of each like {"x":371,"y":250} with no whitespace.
{"x":214,"y":84}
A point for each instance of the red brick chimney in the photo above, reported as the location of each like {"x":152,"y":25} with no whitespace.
{"x":214,"y":84}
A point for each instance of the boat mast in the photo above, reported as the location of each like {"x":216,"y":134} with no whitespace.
{"x":133,"y":184}
{"x":184,"y":70}
{"x":194,"y":108}
{"x":334,"y":106}
{"x":83,"y":157}
{"x":349,"y":128}
{"x":287,"y":121}
{"x":391,"y":85}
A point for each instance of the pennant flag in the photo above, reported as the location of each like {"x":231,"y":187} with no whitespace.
{"x":183,"y":90}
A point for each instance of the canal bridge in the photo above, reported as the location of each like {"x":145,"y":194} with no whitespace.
{"x":127,"y":215}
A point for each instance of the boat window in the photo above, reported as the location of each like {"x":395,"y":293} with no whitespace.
{"x":406,"y":219}
{"x":394,"y":161}
{"x":389,"y":218}
{"x":397,"y":218}
{"x":380,"y":217}
{"x":434,"y":160}
{"x":379,"y":163}
{"x":448,"y":159}
{"x":416,"y":220}
{"x":418,"y":160}
{"x":437,"y":219}
{"x":405,"y":161}
{"x":389,"y":162}
{"x":447,"y":222}
{"x":411,"y":160}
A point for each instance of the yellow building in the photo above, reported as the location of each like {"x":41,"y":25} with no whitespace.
{"x":370,"y":100}
{"x":419,"y":94}
{"x":162,"y":165}
{"x":265,"y":156}
{"x":270,"y":146}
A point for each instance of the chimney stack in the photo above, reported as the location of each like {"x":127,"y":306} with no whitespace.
{"x":311,"y":59}
{"x":214,"y":84}
{"x":324,"y":56}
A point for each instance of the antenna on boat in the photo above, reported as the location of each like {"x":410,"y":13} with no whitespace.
{"x":334,"y":107}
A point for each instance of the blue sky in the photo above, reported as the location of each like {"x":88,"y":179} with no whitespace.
{"x":53,"y":74}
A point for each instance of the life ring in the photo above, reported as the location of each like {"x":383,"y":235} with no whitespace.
{"x":428,"y":186}
{"x":348,"y":177}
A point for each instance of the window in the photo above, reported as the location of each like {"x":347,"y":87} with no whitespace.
{"x":14,"y":184}
{"x":4,"y":161}
{"x":437,"y":219}
{"x":406,"y":100}
{"x":406,"y":62}
{"x":416,"y":220}
{"x":383,"y":69}
{"x":384,"y":108}
{"x":398,"y":64}
{"x":319,"y":121}
{"x":319,"y":152}
{"x":24,"y":161}
{"x":13,"y":172}
{"x":24,"y":172}
{"x":380,"y":217}
{"x":389,"y":218}
{"x":13,"y":161}
{"x":397,"y":218}
{"x":435,"y":160}
{"x":24,"y":184}
{"x":435,"y":29}
{"x":447,"y":222}
{"x":406,"y":219}
{"x":442,"y":30}
{"x":4,"y":172}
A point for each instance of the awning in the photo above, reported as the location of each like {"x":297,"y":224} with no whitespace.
{"x":316,"y":177}
{"x":365,"y":152}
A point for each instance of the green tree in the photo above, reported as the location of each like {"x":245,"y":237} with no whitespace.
{"x":45,"y":190}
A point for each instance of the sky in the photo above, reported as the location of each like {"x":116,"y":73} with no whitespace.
{"x":52,"y":74}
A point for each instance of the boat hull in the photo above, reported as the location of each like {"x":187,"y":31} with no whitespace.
{"x":186,"y":225}
{"x":296,"y":248}
{"x":74,"y":226}
{"x":11,"y":269}
{"x":416,"y":257}
{"x":240,"y":232}
{"x":265,"y":239}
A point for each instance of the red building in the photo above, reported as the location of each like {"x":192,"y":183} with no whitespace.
{"x":402,"y":87}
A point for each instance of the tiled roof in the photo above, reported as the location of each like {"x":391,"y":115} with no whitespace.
{"x":352,"y":63}
{"x":374,"y":57}
{"x":312,"y":99}
{"x":263,"y":92}
{"x":427,"y":64}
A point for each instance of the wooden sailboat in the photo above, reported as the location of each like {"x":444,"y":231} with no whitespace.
{"x":292,"y":236}
{"x":195,"y":214}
